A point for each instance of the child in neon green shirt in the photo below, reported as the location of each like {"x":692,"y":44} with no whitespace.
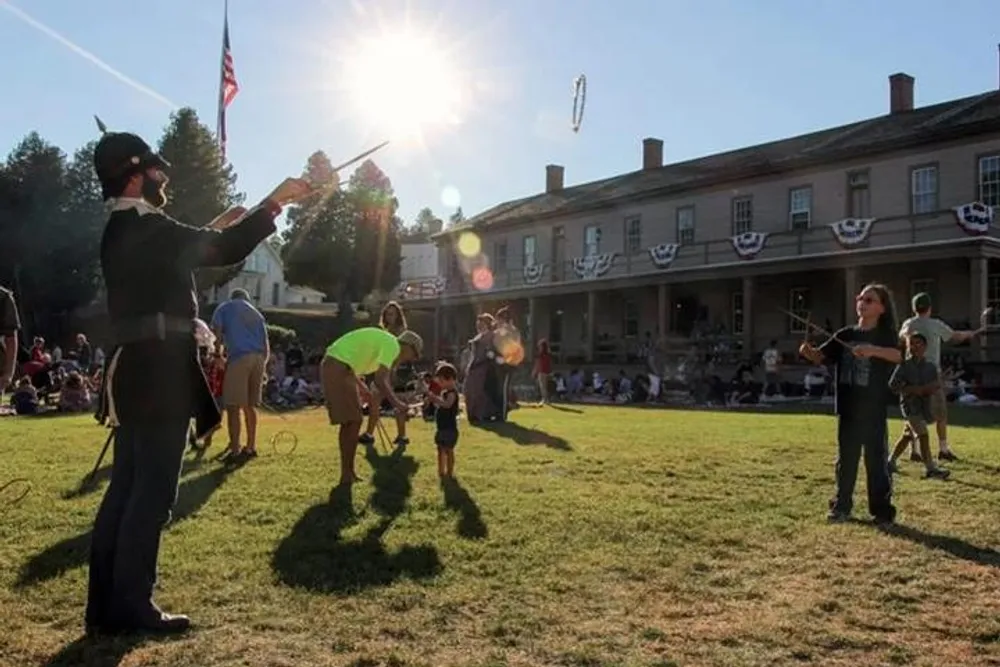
{"x":366,"y":351}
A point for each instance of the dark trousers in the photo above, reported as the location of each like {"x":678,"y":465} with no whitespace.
{"x":136,"y":507}
{"x":853,"y":438}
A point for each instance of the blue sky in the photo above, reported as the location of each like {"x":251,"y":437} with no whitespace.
{"x":705,"y":76}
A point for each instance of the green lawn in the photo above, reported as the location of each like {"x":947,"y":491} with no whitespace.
{"x":578,"y":537}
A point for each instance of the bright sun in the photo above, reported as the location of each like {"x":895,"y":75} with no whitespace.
{"x":402,"y":84}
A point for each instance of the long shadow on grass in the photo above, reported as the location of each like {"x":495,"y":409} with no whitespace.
{"x":95,"y":652}
{"x":522,"y":435}
{"x":952,"y":545}
{"x":470,"y":521}
{"x":315,"y":556}
{"x":89,"y":484}
{"x":74,"y":552}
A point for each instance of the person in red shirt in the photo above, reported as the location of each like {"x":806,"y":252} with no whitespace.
{"x":214,"y":364}
{"x":543,"y":368}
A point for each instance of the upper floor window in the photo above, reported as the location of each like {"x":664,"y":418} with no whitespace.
{"x":924,"y":189}
{"x":989,"y":180}
{"x":591,"y":241}
{"x":530,"y":255}
{"x":859,"y":203}
{"x":800,"y":305}
{"x":742,"y":215}
{"x":685,"y":225}
{"x":800,"y":202}
{"x":633,"y":236}
{"x":500,"y":256}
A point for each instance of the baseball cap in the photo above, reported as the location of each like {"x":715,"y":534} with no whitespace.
{"x":413,"y":339}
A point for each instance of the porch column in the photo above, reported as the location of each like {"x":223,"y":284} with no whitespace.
{"x":749,"y":285}
{"x":437,"y":332}
{"x":662,"y":309}
{"x":979,"y":291}
{"x":591,"y":326}
{"x":850,"y":291}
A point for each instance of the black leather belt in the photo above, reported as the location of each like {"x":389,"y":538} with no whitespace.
{"x":158,"y":326}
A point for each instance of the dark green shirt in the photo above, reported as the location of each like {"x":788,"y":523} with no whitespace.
{"x":914,"y":373}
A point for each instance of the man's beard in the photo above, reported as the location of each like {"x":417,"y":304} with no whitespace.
{"x":154,"y":192}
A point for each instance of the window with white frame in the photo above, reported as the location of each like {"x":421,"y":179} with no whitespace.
{"x":993,"y":297}
{"x":989,"y":180}
{"x":859,"y":195}
{"x":742,"y":215}
{"x":800,"y":203}
{"x":591,"y":241}
{"x":737,"y":313}
{"x":529,"y":251}
{"x":685,"y":225}
{"x":630,"y":325}
{"x":924,"y":189}
{"x":633,"y":236}
{"x":922,"y":286}
{"x":500,"y":256}
{"x":799,"y":305}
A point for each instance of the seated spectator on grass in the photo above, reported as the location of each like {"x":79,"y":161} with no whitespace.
{"x":74,"y":395}
{"x":25,"y":397}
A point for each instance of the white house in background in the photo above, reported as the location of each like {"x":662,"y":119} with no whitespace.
{"x":263,"y":277}
{"x":419,"y":260}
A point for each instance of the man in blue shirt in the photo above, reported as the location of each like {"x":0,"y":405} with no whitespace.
{"x":243,"y":332}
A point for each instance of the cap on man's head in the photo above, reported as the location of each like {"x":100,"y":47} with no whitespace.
{"x":413,"y":339}
{"x":120,"y":154}
{"x":921,"y":302}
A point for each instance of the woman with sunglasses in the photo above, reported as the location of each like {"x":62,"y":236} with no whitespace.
{"x":865,"y":355}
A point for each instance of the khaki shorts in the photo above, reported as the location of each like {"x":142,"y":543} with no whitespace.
{"x":916,"y":426}
{"x":340,"y":392}
{"x":244,"y":381}
{"x":939,"y":406}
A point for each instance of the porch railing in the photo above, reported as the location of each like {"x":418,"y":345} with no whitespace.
{"x":886,"y":232}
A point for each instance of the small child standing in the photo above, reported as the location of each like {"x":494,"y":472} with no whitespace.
{"x":916,"y":380}
{"x":445,"y":418}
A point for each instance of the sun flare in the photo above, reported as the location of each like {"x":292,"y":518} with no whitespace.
{"x":402,"y":84}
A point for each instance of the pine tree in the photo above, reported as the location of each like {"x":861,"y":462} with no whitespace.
{"x":201,"y":185}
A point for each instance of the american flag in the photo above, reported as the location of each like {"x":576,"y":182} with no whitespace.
{"x":228,"y":87}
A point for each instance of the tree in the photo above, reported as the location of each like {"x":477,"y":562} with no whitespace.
{"x":377,"y":248}
{"x":425,"y":225}
{"x":201,"y":185}
{"x":456,"y":217}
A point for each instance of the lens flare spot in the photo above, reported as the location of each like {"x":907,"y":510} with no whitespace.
{"x":469,"y":244}
{"x":482,"y":278}
{"x":451,"y":197}
{"x":512,"y":352}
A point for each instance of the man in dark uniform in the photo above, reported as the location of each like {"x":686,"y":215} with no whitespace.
{"x":10,"y":323}
{"x":154,"y":384}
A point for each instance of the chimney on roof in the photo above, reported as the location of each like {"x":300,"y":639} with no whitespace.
{"x":900,"y":93}
{"x":652,"y":153}
{"x":553,"y":178}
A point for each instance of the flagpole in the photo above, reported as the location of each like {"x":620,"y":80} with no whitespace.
{"x":219,"y":122}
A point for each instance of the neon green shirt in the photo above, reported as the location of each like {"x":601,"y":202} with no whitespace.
{"x":365,"y":350}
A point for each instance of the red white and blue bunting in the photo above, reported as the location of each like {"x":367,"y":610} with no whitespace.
{"x":851,"y":232}
{"x":533,"y":273}
{"x":663,"y":254}
{"x":975,"y":218}
{"x":748,"y":244}
{"x":594,"y":266}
